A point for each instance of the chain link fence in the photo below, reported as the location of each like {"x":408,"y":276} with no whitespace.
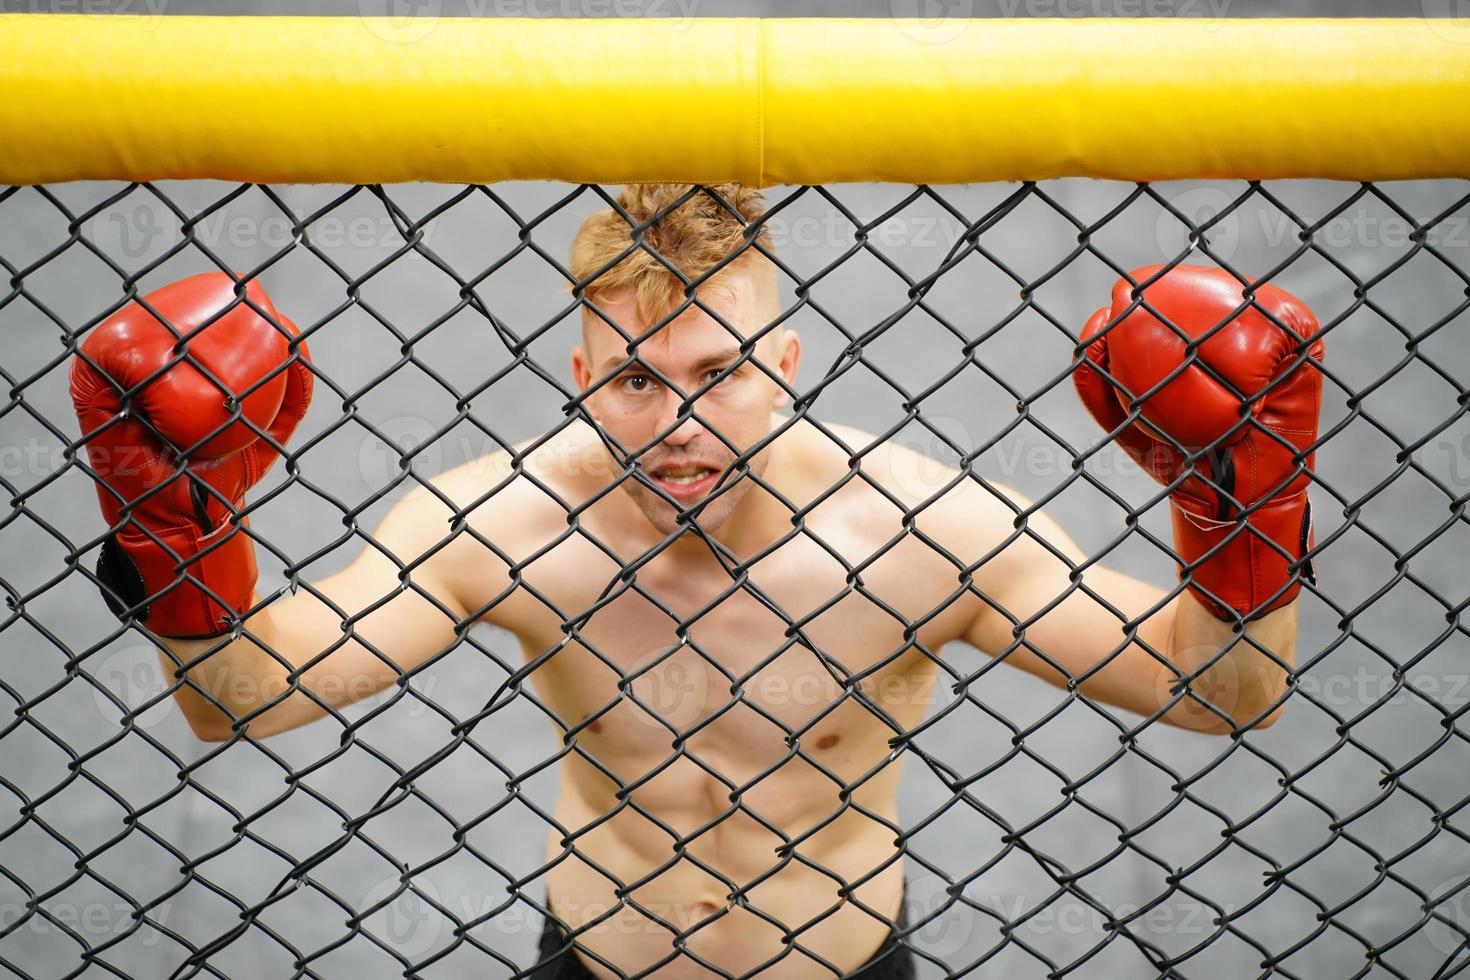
{"x":1039,"y":833}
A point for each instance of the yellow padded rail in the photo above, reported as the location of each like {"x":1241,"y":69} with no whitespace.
{"x":358,"y":100}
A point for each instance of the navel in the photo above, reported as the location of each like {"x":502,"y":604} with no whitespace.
{"x":827,"y":741}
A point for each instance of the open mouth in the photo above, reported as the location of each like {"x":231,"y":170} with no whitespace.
{"x":684,"y":482}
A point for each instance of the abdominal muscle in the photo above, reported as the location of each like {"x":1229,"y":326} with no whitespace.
{"x":684,"y":889}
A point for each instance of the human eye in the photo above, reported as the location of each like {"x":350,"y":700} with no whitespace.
{"x":636,"y":384}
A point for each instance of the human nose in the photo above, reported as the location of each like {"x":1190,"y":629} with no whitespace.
{"x":681,"y":431}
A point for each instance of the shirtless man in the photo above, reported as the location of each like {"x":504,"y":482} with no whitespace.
{"x":773,"y":635}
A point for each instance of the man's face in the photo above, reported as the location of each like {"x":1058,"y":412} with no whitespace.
{"x":687,"y":460}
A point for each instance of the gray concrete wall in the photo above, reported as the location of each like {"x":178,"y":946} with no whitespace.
{"x":298,"y":788}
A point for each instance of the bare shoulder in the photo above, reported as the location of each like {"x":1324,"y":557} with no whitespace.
{"x":898,"y":480}
{"x":517,"y":499}
{"x":467,"y":532}
{"x":903,"y":475}
{"x":511,"y":498}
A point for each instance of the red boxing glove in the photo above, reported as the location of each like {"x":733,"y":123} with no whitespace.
{"x":142,"y":403}
{"x":1250,"y":474}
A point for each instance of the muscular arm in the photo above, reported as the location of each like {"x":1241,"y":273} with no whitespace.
{"x":1231,"y":681}
{"x":402,"y":598}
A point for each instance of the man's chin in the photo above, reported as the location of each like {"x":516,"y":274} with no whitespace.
{"x":664,"y":516}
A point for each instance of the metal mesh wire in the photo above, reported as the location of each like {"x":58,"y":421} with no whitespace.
{"x":1042,"y":834}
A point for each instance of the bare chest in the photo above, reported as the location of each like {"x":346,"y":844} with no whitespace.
{"x":800,"y":652}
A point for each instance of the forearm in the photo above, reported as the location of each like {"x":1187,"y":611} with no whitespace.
{"x":221,"y":684}
{"x":1232,"y":680}
{"x":314,"y":651}
{"x":291,"y":662}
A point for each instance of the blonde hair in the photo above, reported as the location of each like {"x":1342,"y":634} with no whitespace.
{"x":693,"y":237}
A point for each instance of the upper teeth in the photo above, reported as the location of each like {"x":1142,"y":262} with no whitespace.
{"x":685,"y":476}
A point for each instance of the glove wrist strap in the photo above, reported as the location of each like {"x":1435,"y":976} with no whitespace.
{"x":173,"y":588}
{"x":1247,"y":566}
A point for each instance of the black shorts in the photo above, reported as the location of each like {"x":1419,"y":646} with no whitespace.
{"x":891,"y":961}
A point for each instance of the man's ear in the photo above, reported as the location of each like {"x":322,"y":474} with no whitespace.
{"x":790,"y":361}
{"x":582,"y":377}
{"x":581,"y":369}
